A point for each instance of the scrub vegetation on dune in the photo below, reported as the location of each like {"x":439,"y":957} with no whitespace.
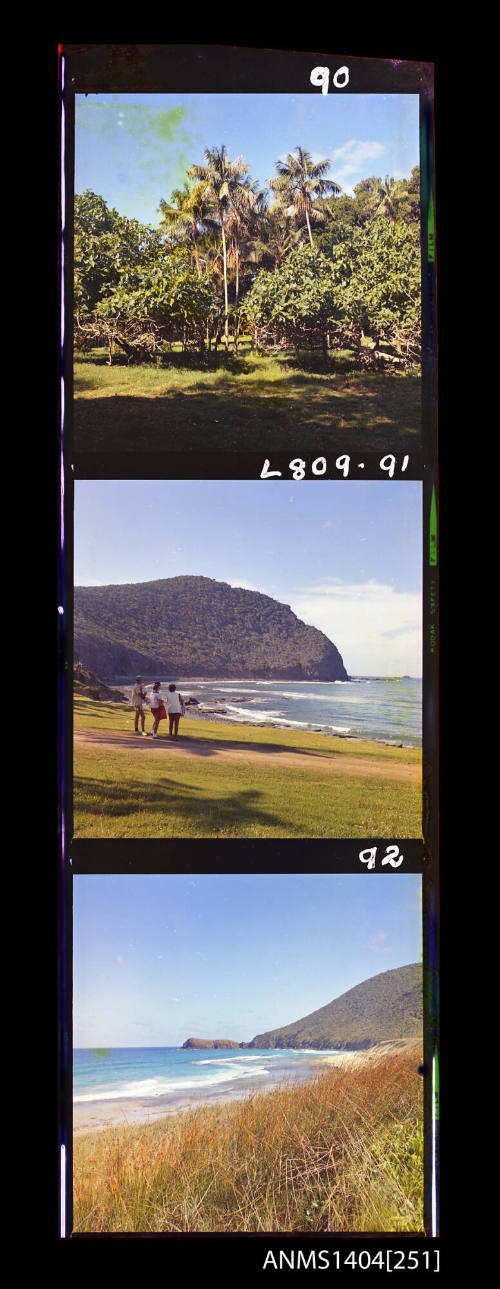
{"x":340,"y":1152}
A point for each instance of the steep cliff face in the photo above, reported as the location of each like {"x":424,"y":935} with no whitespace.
{"x":387,"y":1006}
{"x":195,"y":626}
{"x":87,"y":685}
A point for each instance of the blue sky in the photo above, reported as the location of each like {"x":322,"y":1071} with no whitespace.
{"x":345,"y":555}
{"x":159,"y":958}
{"x":134,"y":149}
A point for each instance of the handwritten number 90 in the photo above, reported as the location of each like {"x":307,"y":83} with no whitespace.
{"x":320,"y":76}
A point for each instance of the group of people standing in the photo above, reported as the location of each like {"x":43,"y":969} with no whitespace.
{"x":175,"y":707}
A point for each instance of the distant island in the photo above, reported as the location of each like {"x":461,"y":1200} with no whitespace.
{"x":384,"y":1007}
{"x":195,"y":626}
{"x":210,"y":1043}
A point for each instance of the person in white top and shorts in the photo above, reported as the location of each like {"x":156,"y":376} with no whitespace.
{"x":138,"y":696}
{"x":176,"y":709}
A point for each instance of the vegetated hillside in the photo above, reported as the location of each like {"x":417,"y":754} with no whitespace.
{"x":195,"y":626}
{"x":387,"y":1006}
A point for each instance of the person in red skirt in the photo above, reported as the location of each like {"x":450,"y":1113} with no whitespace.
{"x":157,"y":707}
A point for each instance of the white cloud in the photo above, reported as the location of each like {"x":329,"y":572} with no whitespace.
{"x":242,"y":584}
{"x":377,"y":629}
{"x":377,"y":943}
{"x":357,"y":151}
{"x":353,"y":157}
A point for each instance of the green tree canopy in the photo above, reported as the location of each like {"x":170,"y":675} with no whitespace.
{"x":300,"y":295}
{"x":168,"y":293}
{"x":106,"y":245}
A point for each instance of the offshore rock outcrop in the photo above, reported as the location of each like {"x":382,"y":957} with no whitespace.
{"x":211,"y":1043}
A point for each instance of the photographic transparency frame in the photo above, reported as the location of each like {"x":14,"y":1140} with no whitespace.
{"x":226,"y":69}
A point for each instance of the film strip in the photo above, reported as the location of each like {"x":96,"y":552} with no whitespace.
{"x":223,"y":353}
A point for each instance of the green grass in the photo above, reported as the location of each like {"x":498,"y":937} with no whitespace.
{"x":240,"y":402}
{"x":122,"y":791}
{"x":341,"y":1152}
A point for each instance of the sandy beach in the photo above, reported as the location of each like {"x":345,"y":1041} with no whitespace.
{"x":96,"y":1116}
{"x":393,"y":1047}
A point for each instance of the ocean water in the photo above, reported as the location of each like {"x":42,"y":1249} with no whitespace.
{"x":142,"y":1072}
{"x":387,"y":711}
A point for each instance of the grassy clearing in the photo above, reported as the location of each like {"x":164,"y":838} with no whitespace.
{"x":341,"y":1152}
{"x":236,"y":403}
{"x":237,"y":781}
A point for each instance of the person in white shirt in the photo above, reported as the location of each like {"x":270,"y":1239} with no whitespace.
{"x":138,"y":696}
{"x":176,"y":709}
{"x":157,"y":707}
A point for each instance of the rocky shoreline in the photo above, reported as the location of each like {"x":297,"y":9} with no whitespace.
{"x":217,"y":713}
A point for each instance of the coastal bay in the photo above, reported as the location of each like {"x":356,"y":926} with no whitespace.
{"x":283,"y":1067}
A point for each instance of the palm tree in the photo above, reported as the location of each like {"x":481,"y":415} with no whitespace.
{"x":220,"y":181}
{"x":389,"y":193}
{"x":186,"y":215}
{"x":275,"y":238}
{"x":242,"y":227}
{"x":299,"y":182}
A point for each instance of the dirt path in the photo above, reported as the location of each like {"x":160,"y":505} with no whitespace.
{"x":334,"y":762}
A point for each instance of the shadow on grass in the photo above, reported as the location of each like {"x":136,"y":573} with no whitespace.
{"x":240,"y":364}
{"x":356,"y":412}
{"x":100,"y":710}
{"x":209,"y":815}
{"x":196,"y":744}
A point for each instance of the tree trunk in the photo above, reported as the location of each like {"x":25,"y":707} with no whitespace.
{"x":218,"y":334}
{"x":226,"y":305}
{"x":237,"y":296}
{"x":196,"y":252}
{"x":309,"y":228}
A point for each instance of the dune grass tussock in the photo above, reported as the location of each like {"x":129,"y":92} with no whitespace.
{"x":340,"y":1152}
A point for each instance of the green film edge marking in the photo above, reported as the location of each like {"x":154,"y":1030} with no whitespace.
{"x":431,"y":240}
{"x":433,"y":530}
